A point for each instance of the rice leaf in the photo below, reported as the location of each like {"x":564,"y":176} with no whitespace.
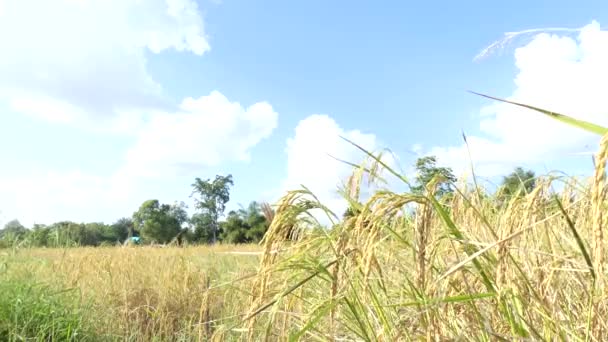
{"x":579,"y":240}
{"x":589,"y":127}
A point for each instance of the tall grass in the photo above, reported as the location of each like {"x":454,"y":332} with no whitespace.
{"x":30,"y":311}
{"x":129,"y":293}
{"x":467,"y":267}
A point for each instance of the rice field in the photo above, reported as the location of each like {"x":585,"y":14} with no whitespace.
{"x":471,"y":265}
{"x":467,"y":267}
{"x":123,"y":293}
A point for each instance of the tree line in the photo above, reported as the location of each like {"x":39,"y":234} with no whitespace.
{"x":156,"y":223}
{"x":161,"y":223}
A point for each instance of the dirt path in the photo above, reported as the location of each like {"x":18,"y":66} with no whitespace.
{"x":242,"y":253}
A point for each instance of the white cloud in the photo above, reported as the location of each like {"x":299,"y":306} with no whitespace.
{"x":310,"y":162}
{"x":83,"y":63}
{"x":556,"y":73}
{"x":69,"y":60}
{"x":206,"y":131}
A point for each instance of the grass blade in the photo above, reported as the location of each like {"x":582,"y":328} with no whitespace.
{"x":589,"y":127}
{"x":579,"y":240}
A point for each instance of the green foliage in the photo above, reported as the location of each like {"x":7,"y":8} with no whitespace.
{"x":160,"y":222}
{"x":39,"y":236}
{"x":202,"y":227}
{"x":245,"y":225}
{"x":426,"y":170}
{"x":13,"y":227}
{"x":119,"y":231}
{"x":39,"y":313}
{"x":518,"y":183}
{"x":12,"y":233}
{"x":211,"y":199}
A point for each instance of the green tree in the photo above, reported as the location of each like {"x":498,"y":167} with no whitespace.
{"x":201,"y":225}
{"x":120,"y":230}
{"x":93,"y":233}
{"x":65,"y":234}
{"x":12,"y":232}
{"x":159,"y":222}
{"x":40,"y":235}
{"x":211,"y":197}
{"x":426,"y":169}
{"x":245,"y":225}
{"x":14,"y":228}
{"x":233,"y":228}
{"x":517,"y":183}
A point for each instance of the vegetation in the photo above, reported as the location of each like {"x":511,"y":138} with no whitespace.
{"x":122,"y":293}
{"x":518,"y":183}
{"x":523,"y":263}
{"x":426,"y":170}
{"x":160,"y":222}
{"x":211,"y":201}
{"x":30,"y":311}
{"x":155,"y":223}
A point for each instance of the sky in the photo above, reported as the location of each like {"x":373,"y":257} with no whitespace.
{"x":107,"y":103}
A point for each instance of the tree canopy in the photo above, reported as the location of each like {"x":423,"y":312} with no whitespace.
{"x":426,"y":170}
{"x":245,"y":225}
{"x":210,"y":199}
{"x":519,"y":182}
{"x":160,"y":222}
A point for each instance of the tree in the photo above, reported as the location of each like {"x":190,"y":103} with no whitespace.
{"x":519,"y":182}
{"x":233,"y":229}
{"x":40,"y":235}
{"x":426,"y":169}
{"x":212,"y":199}
{"x":202,"y":227}
{"x":14,"y":228}
{"x":120,"y":230}
{"x":12,"y":232}
{"x":159,"y":222}
{"x":93,"y":234}
{"x":245,"y":225}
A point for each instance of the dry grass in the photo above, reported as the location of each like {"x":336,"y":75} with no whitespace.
{"x":468,"y":267}
{"x":147,"y":293}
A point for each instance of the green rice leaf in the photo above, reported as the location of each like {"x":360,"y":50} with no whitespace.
{"x":589,"y":127}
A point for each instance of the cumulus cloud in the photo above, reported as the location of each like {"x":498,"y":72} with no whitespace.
{"x":555,"y":72}
{"x":310,"y":162}
{"x":206,"y":131}
{"x":83,"y":63}
{"x":69,"y":60}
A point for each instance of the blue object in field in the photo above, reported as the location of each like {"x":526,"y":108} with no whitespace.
{"x":135,"y":239}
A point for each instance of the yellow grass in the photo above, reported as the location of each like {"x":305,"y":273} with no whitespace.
{"x":145,"y":293}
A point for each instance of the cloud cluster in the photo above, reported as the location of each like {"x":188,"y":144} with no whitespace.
{"x":70,"y":60}
{"x":206,"y":131}
{"x":83,"y":63}
{"x":559,"y":73}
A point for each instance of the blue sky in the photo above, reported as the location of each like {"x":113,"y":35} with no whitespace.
{"x":94,"y":120}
